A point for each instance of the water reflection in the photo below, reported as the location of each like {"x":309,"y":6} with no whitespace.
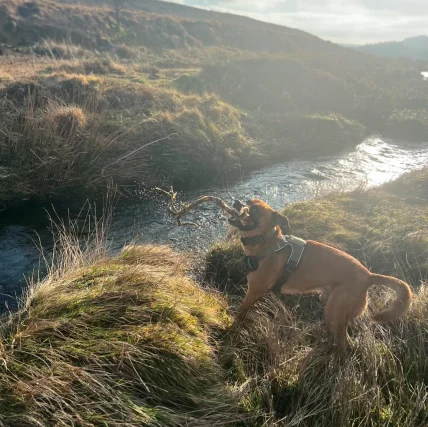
{"x":371,"y":163}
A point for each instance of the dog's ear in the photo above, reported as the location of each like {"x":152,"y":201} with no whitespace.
{"x":281,"y":220}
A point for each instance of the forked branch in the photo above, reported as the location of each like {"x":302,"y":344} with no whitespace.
{"x":179,"y":209}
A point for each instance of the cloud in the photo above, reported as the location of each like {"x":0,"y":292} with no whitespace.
{"x":350,"y":21}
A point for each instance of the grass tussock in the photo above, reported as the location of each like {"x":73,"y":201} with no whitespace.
{"x":63,"y":132}
{"x":65,"y":121}
{"x":127,"y":340}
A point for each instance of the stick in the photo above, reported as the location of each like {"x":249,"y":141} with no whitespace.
{"x":179,"y":211}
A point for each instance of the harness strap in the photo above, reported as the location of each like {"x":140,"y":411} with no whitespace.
{"x":283,"y":279}
{"x":252,"y":262}
{"x":297,"y":248}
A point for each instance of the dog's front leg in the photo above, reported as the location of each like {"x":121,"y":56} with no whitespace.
{"x":252,"y":296}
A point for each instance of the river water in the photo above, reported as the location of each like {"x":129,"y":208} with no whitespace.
{"x":144,"y":219}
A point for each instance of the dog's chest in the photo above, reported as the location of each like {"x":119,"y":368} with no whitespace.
{"x":269,"y":271}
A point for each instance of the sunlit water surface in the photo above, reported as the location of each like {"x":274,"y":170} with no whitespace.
{"x":371,"y":163}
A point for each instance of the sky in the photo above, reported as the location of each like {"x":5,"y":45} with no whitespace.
{"x":341,"y":21}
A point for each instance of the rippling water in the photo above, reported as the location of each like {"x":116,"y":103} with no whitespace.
{"x":371,"y":163}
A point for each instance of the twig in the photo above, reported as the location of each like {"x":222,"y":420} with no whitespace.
{"x":179,"y":211}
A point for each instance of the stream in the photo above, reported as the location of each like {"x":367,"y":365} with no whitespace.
{"x":142,"y":219}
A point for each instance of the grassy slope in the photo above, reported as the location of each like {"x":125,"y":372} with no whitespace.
{"x":133,"y":340}
{"x":77,"y":133}
{"x":124,"y":340}
{"x":279,"y":92}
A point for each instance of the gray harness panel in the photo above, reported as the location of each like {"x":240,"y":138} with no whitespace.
{"x":297,"y":246}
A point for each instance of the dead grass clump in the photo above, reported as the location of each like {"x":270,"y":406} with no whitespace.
{"x":122,"y":340}
{"x":61,"y":51}
{"x":65,"y":121}
{"x":38,"y":91}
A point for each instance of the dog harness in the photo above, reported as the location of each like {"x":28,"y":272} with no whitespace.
{"x":297,"y":246}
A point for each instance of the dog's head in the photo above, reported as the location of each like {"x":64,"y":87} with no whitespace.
{"x":256,"y":215}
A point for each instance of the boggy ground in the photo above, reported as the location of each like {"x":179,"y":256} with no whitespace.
{"x":72,"y":127}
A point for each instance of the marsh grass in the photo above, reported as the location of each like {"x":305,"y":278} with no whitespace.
{"x":65,"y":133}
{"x":290,"y":374}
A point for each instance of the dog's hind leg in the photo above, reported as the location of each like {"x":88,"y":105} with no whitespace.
{"x":342,"y":306}
{"x":337,"y":319}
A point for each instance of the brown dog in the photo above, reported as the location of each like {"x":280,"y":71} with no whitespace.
{"x":341,"y":280}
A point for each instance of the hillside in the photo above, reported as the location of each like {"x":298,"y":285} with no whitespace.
{"x":181,"y":96}
{"x":411,"y":48}
{"x":227,"y":29}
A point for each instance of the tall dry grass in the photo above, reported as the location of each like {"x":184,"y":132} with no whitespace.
{"x":287,"y":371}
{"x":67,"y":134}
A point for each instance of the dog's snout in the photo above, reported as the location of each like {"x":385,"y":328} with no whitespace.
{"x":238,"y":205}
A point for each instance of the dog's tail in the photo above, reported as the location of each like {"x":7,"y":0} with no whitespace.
{"x":400,"y":305}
